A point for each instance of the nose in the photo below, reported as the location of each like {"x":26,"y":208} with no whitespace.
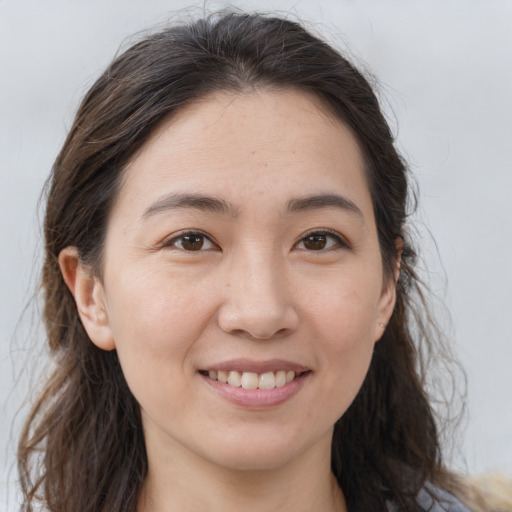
{"x":258,"y":302}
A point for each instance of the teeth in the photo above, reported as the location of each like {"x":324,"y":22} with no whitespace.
{"x":281,"y":378}
{"x":267,"y":381}
{"x":234,"y":379}
{"x":251,"y":380}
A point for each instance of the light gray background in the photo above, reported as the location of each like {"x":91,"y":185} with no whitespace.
{"x":445,"y":71}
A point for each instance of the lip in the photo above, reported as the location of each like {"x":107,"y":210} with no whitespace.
{"x":257,"y":398}
{"x":248,"y":365}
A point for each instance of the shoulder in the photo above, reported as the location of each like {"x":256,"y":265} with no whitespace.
{"x":434,"y":499}
{"x":439,"y":500}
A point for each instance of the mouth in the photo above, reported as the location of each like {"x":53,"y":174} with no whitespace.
{"x":254,"y":380}
{"x":257,"y":385}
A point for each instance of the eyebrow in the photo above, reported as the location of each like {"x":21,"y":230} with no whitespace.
{"x":195,"y":201}
{"x":217,"y":205}
{"x":320,"y":201}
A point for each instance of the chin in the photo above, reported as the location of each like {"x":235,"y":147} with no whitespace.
{"x":261,"y":453}
{"x":260,"y":460}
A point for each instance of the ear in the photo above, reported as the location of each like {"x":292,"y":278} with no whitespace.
{"x":388,"y":296}
{"x":89,"y":296}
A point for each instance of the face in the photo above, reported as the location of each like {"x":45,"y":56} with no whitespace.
{"x":243,"y":246}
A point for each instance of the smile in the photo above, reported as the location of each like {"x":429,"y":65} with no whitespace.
{"x":253,"y":390}
{"x":256,"y":384}
{"x":252,"y":380}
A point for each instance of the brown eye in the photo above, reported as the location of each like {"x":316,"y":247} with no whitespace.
{"x":321,"y":241}
{"x":315,"y":242}
{"x":191,"y":242}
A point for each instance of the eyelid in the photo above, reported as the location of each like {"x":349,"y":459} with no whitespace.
{"x":170,"y":240}
{"x":342,"y":242}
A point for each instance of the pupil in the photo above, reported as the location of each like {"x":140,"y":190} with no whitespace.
{"x":192,"y":242}
{"x":315,"y":242}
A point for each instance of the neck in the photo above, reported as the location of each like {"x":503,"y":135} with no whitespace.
{"x":187,"y":482}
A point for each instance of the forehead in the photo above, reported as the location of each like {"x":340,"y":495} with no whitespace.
{"x":258,"y":143}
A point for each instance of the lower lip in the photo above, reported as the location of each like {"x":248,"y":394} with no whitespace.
{"x":258,"y":398}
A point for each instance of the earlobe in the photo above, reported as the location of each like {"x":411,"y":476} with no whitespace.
{"x":386,"y":307}
{"x":89,"y":296}
{"x":388,"y":297}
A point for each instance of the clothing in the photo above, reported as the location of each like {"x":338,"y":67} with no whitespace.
{"x":445,"y":502}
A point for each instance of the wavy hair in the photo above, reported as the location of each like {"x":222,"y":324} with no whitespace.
{"x":386,"y":446}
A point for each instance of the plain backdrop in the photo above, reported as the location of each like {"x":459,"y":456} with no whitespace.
{"x":445,"y":79}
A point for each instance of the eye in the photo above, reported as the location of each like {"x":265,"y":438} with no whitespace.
{"x":321,"y":241}
{"x":192,"y":241}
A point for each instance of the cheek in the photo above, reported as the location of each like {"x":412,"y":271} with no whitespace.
{"x":347,"y":358}
{"x":343,"y":317}
{"x":155,"y":326}
{"x":346,"y":309}
{"x":156,"y":312}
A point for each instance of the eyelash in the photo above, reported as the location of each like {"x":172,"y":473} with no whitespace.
{"x":339,"y":241}
{"x":171,"y":243}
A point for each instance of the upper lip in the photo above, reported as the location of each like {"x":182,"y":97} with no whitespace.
{"x":249,"y":365}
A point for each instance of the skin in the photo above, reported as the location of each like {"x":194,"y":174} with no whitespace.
{"x":257,"y":289}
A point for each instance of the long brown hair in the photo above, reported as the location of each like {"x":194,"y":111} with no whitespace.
{"x":82,"y":448}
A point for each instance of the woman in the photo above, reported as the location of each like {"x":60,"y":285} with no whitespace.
{"x":230,"y":288}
